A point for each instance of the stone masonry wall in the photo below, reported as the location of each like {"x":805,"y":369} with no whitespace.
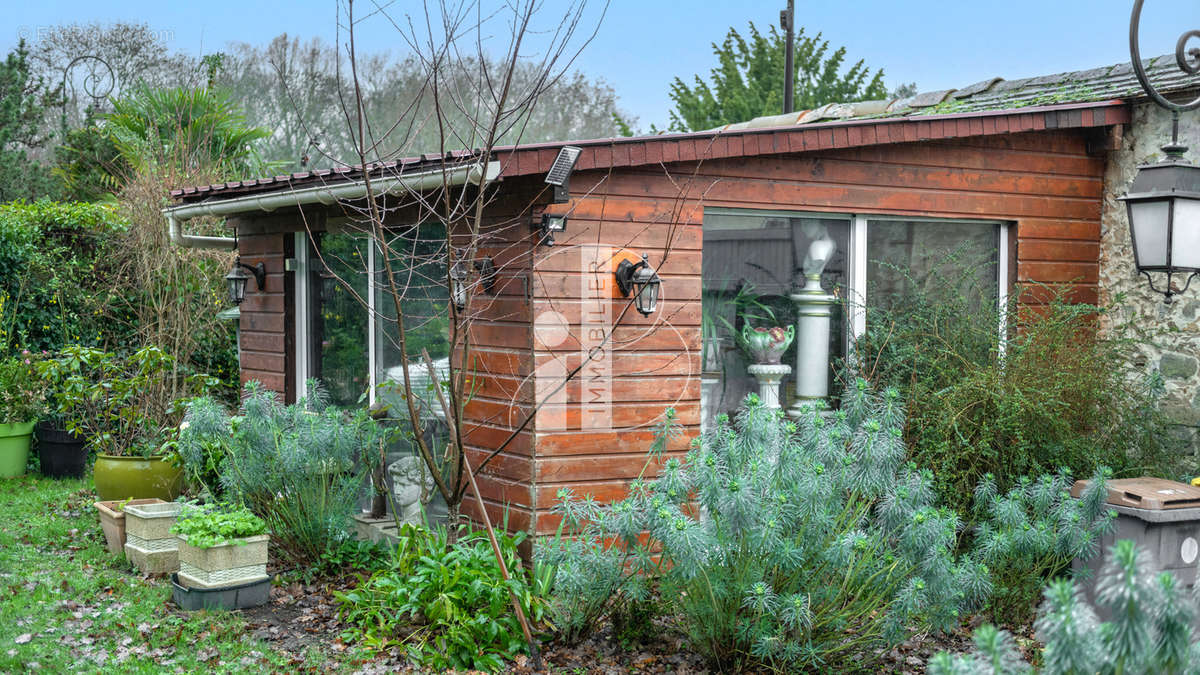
{"x":1175,"y":328}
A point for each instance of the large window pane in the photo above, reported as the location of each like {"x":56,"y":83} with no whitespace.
{"x":752,"y":262}
{"x":418,"y":264}
{"x":908,"y":260}
{"x":339,"y":316}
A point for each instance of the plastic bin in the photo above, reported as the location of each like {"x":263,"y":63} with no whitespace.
{"x":1162,"y":517}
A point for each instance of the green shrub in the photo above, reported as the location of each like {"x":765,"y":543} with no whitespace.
{"x":1032,"y":533}
{"x":124,"y":405}
{"x":299,"y":467}
{"x":448,"y":604}
{"x":217,"y":524}
{"x":54,"y":259}
{"x":1055,"y":394}
{"x":1150,"y":632}
{"x":816,"y":545}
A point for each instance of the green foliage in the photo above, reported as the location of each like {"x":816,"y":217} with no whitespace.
{"x":22,"y":392}
{"x":125,"y":405}
{"x":299,"y":466}
{"x":24,"y":102}
{"x":217,"y":524}
{"x":1032,"y":533}
{"x":448,"y":604}
{"x":1055,"y":394}
{"x":89,"y":163}
{"x":748,"y":80}
{"x":199,"y":127}
{"x":816,"y":546}
{"x":1150,"y":631}
{"x":54,"y":267}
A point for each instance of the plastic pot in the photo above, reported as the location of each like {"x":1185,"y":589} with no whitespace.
{"x":137,"y":478}
{"x":62,"y":454}
{"x":112,"y":521}
{"x":14,"y":448}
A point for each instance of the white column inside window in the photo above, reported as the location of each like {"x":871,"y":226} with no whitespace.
{"x":303,"y":351}
{"x":857,"y":292}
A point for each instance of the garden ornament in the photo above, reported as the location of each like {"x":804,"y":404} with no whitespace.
{"x":412,"y":488}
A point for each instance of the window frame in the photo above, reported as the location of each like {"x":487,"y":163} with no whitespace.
{"x":858,"y":256}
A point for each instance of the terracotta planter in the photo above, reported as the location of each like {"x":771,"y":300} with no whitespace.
{"x":112,"y":521}
{"x":238,"y":562}
{"x":149,"y":543}
{"x":137,"y":477}
{"x":60,"y":453}
{"x":14,"y":448}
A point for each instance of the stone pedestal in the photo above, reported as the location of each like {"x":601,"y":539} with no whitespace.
{"x":769,"y":376}
{"x":814,"y":309}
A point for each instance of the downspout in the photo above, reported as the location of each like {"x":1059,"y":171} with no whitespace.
{"x":475,"y":174}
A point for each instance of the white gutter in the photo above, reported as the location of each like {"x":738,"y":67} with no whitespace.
{"x":474,"y":174}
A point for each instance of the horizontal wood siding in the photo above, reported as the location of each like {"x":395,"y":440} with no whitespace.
{"x":1045,"y":183}
{"x":266,"y":316}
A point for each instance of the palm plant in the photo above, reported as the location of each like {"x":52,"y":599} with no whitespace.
{"x":192,"y":129}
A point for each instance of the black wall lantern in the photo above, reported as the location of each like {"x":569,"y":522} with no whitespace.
{"x":237,"y":279}
{"x":458,"y":280}
{"x":641,"y":279}
{"x":1163,"y":201}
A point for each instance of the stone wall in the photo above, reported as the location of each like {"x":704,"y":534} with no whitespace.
{"x":1174,"y":329}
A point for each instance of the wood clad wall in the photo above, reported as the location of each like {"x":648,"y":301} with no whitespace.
{"x":1045,"y":182}
{"x":501,"y":395}
{"x":266,"y":316}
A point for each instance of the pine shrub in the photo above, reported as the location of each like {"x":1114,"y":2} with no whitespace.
{"x":780,"y":545}
{"x":1032,"y":533}
{"x":1151,"y":630}
{"x":299,"y":467}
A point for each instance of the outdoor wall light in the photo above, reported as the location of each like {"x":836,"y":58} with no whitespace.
{"x":559,"y":175}
{"x":1163,"y":201}
{"x":487,"y":274}
{"x":458,"y":280}
{"x":548,"y":224}
{"x":641,"y":279}
{"x":237,"y":279}
{"x":458,"y":285}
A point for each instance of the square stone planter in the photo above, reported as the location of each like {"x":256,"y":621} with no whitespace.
{"x":149,"y":543}
{"x":112,"y":521}
{"x":235,"y":563}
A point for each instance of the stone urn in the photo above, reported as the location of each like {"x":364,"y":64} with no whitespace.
{"x":767,"y":345}
{"x":412,"y":489}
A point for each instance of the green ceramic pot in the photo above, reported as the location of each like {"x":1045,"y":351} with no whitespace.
{"x":137,"y":478}
{"x":14,"y":448}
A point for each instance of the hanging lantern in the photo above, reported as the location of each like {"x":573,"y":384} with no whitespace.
{"x":641,"y":280}
{"x":237,"y":278}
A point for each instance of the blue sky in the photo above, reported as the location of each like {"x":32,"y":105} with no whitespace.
{"x":641,"y":46}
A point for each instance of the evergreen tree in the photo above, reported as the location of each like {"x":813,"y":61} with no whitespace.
{"x":24,"y":100}
{"x":748,"y":80}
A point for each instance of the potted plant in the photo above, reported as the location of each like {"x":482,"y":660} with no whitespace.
{"x":61,"y":443}
{"x":766,"y":345}
{"x":222,"y":558}
{"x":112,"y":521}
{"x":131,"y":410}
{"x":22,"y":395}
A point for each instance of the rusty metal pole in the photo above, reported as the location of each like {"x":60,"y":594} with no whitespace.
{"x":788,"y":24}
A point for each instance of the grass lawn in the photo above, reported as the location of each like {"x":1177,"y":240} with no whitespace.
{"x":68,"y":605}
